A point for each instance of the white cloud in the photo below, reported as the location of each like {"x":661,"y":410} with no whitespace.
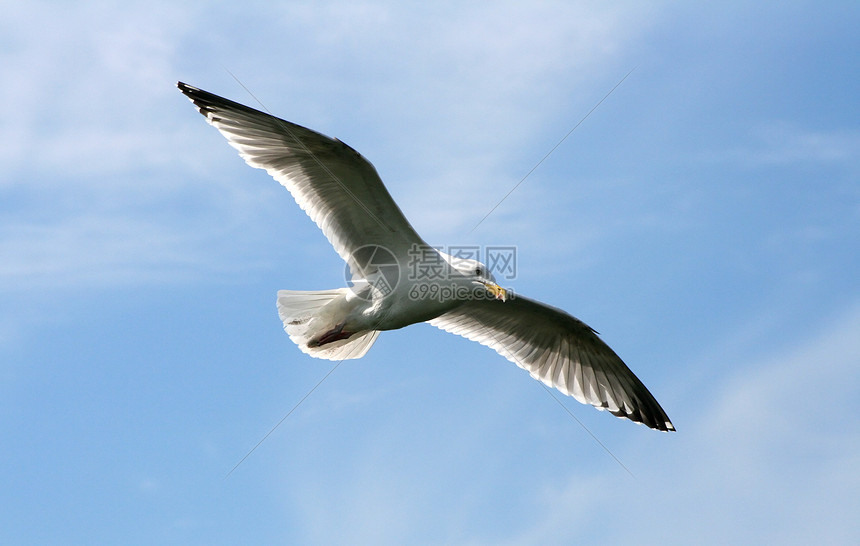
{"x":91,"y":249}
{"x":446,"y":100}
{"x":108,"y":176}
{"x":86,"y":81}
{"x":770,"y":459}
{"x":100,"y":138}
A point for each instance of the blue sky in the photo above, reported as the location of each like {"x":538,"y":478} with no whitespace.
{"x":705,"y":219}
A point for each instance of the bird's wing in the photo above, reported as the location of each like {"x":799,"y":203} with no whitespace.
{"x":337,"y":187}
{"x":560,"y":351}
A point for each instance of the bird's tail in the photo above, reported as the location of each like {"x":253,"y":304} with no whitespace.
{"x":309,"y":315}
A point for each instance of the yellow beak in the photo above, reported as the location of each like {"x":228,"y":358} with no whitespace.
{"x":497,"y":291}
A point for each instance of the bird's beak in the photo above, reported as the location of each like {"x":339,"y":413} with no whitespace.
{"x":497,"y":291}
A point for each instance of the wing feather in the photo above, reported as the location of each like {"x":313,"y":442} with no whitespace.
{"x":559,"y":350}
{"x":335,"y":185}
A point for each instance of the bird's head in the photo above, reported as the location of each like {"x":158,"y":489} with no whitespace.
{"x":480,"y":275}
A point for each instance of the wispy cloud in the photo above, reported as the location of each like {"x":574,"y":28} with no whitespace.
{"x":775,"y":442}
{"x":109,"y":179}
{"x":453,"y":109}
{"x":99,"y":131}
{"x":86,"y":81}
{"x":89,"y":250}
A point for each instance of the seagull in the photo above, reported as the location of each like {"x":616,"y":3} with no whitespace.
{"x":396,"y":279}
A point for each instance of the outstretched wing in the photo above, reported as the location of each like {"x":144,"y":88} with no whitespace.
{"x":559,"y":350}
{"x":335,"y":185}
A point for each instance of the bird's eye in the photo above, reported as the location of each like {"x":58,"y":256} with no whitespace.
{"x":479,"y":272}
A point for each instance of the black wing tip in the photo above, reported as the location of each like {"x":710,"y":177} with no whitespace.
{"x":203,"y":100}
{"x":657,"y":420}
{"x":664,"y":427}
{"x":190,"y":91}
{"x":207,"y":102}
{"x":663,"y":424}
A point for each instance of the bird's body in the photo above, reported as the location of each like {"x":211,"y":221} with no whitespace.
{"x":398,"y":280}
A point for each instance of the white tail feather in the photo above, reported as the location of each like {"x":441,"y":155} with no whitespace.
{"x":308,"y":315}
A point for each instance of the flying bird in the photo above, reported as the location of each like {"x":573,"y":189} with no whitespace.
{"x":398,"y":280}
